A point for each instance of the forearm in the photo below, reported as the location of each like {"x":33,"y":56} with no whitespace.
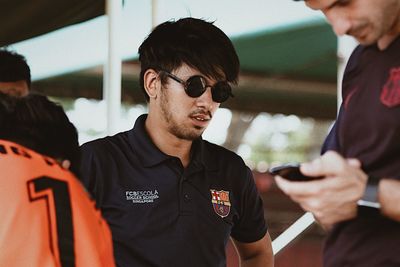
{"x":262,"y":260}
{"x":389,"y":198}
{"x":256,"y":254}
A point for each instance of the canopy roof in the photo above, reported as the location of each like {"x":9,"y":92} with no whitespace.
{"x":283,"y":70}
{"x":305,"y":51}
{"x":23,"y":19}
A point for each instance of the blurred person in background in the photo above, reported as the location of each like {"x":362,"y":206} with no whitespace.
{"x":15,"y":74}
{"x":361,"y":155}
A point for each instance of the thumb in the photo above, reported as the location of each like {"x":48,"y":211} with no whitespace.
{"x":327,"y":164}
{"x":354,"y":162}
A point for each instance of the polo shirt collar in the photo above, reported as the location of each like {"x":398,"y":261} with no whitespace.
{"x":150,"y":155}
{"x":201,"y":156}
{"x":144,"y":148}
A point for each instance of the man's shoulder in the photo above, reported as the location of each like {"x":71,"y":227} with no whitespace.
{"x":106,"y":143}
{"x":355,"y":57}
{"x":220,"y":153}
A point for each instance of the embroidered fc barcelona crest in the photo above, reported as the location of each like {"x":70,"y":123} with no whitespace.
{"x":220,"y":202}
{"x":390,"y":95}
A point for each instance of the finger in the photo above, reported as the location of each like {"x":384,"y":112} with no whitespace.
{"x":299,"y":190}
{"x":329,"y":164}
{"x":354,"y":162}
{"x":66,"y":164}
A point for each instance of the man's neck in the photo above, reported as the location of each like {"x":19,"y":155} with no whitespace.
{"x":168,"y":143}
{"x":386,"y":40}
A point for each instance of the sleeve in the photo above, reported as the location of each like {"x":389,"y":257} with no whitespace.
{"x":332,"y":140}
{"x":251,"y":225}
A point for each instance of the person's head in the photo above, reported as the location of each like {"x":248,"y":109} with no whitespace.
{"x":187,"y":67}
{"x":367,"y":20}
{"x":15,"y":75}
{"x":41,"y":125}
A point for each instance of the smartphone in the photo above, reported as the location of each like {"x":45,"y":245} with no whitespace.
{"x":291,"y":171}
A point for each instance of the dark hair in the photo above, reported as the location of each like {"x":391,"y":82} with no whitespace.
{"x":13,"y":67}
{"x":195,"y":42}
{"x":41,"y":125}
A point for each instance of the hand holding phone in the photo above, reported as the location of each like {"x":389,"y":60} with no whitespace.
{"x":291,"y":171}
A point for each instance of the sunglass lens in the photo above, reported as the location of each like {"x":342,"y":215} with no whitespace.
{"x":195,"y":86}
{"x":221,"y":92}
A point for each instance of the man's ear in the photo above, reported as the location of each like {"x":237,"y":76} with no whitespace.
{"x":66,"y":164}
{"x":150,"y":79}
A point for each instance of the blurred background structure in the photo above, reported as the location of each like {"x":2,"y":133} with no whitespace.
{"x":283,"y":107}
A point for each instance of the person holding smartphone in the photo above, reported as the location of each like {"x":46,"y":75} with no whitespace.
{"x":361,"y":155}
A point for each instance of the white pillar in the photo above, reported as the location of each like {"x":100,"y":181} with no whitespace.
{"x":154,"y":13}
{"x":112,"y":68}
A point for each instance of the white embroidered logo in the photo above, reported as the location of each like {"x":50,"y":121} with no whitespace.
{"x":142,"y":196}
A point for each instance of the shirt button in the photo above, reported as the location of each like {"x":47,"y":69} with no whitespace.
{"x":187,"y":198}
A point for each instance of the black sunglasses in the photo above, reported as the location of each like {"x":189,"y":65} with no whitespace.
{"x":196,"y":85}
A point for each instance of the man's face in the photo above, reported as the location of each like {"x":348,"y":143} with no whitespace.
{"x":18,"y":88}
{"x":366,"y":20}
{"x":183,"y":116}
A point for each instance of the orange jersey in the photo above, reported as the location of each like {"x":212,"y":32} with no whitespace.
{"x":46,"y":217}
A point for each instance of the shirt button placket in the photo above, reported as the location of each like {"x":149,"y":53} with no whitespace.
{"x":186,"y":197}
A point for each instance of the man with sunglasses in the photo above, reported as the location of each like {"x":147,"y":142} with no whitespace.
{"x":170,"y":197}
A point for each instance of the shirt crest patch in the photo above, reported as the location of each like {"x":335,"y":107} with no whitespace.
{"x":390,"y":95}
{"x":220,"y":202}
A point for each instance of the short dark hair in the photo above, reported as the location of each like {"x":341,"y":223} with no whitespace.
{"x":195,"y":42}
{"x":41,"y":125}
{"x":13,"y":67}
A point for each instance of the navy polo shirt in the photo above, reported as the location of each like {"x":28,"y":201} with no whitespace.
{"x":368,"y":128}
{"x":161,"y":214}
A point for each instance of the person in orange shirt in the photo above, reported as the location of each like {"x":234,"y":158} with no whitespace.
{"x":47,"y":217}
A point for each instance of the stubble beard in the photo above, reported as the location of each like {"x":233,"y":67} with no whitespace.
{"x":175,"y":128}
{"x":385,"y":26}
